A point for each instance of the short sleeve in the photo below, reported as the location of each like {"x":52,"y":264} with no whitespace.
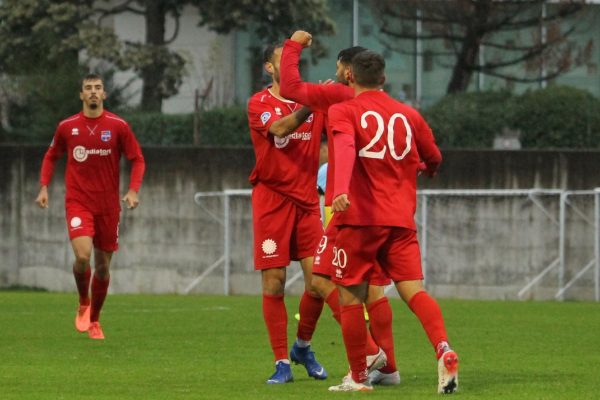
{"x":261,"y":115}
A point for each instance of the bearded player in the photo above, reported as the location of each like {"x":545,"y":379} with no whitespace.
{"x":94,"y":140}
{"x":285,"y":213}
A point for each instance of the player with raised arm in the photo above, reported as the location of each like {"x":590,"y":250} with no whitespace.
{"x":94,"y":140}
{"x":382,"y":364}
{"x":285,"y":212}
{"x":379,"y":144}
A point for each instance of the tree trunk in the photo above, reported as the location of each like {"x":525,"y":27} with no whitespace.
{"x":152,"y":75}
{"x":462,"y":72}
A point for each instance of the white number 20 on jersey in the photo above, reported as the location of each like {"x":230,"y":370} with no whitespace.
{"x":381,"y":125}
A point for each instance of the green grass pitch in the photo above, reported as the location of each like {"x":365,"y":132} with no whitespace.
{"x":210,"y":347}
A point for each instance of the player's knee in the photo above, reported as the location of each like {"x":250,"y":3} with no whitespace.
{"x":82,"y":259}
{"x":375,"y":293}
{"x":273,"y":287}
{"x":102,"y":270}
{"x":321,"y":285}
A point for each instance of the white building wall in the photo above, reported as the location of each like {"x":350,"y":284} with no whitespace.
{"x":208,"y":55}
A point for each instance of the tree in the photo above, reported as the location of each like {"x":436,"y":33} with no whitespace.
{"x":39,"y":68}
{"x":160,"y":68}
{"x":42,"y":36}
{"x":541,"y":32}
{"x":270,"y":21}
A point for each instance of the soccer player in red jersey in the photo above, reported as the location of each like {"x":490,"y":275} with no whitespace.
{"x":379,"y":144}
{"x":94,"y":140}
{"x":319,"y":98}
{"x":286,"y":216}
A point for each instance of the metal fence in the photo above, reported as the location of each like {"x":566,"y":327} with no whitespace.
{"x":507,"y":244}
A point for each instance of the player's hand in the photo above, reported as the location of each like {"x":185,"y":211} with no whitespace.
{"x":302,"y":37}
{"x":42,"y":198}
{"x":326,"y":82}
{"x":340,"y":203}
{"x":131,"y":199}
{"x":422,"y":167}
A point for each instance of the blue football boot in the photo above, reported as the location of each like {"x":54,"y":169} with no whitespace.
{"x":303,"y":355}
{"x":283,"y":374}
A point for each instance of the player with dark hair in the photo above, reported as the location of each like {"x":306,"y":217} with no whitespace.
{"x":285,"y":212}
{"x":94,"y":140}
{"x":381,"y":363}
{"x":379,"y":144}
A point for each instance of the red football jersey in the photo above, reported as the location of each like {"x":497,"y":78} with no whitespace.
{"x":94,"y":147}
{"x":285,"y":165}
{"x":389,"y":139}
{"x":317,"y":97}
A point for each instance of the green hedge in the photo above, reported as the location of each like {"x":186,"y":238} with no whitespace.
{"x":558,"y":117}
{"x":470,"y":120}
{"x":220,"y":126}
{"x":555,"y":117}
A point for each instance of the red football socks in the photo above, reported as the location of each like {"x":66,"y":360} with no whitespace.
{"x":429,"y":313}
{"x":354,"y":330}
{"x":310,"y":311}
{"x":99,"y":291}
{"x":380,"y":321}
{"x":275,"y":315}
{"x":82,"y":280}
{"x":333,"y":301}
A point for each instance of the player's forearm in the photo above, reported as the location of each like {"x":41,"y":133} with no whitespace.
{"x":138,"y":167}
{"x":345,"y":155}
{"x":288,"y":124}
{"x":431,"y":156}
{"x":291,"y":85}
{"x":47,"y":170}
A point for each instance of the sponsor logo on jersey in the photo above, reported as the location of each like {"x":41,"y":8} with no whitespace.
{"x":300,"y":135}
{"x":75,"y":223}
{"x":74,"y":132}
{"x":280,"y":143}
{"x":105,"y":136}
{"x":81,"y":154}
{"x":269,"y":247}
{"x":264,"y":117}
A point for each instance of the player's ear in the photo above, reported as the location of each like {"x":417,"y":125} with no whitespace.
{"x":382,"y":81}
{"x":80,"y":95}
{"x":349,"y":76}
{"x":269,"y":68}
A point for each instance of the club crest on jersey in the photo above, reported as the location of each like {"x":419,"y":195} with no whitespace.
{"x":74,"y":132}
{"x":264,"y":117}
{"x":309,"y":119}
{"x":277,"y":110}
{"x":105,"y":136}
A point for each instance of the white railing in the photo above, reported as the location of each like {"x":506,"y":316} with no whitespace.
{"x":547,"y":232}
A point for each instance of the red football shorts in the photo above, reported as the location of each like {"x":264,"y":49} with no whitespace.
{"x":282,"y":230}
{"x":324,"y":255}
{"x":360,"y":248}
{"x":104,"y":229}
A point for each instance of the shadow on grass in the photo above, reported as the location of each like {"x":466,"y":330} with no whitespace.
{"x":22,"y":288}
